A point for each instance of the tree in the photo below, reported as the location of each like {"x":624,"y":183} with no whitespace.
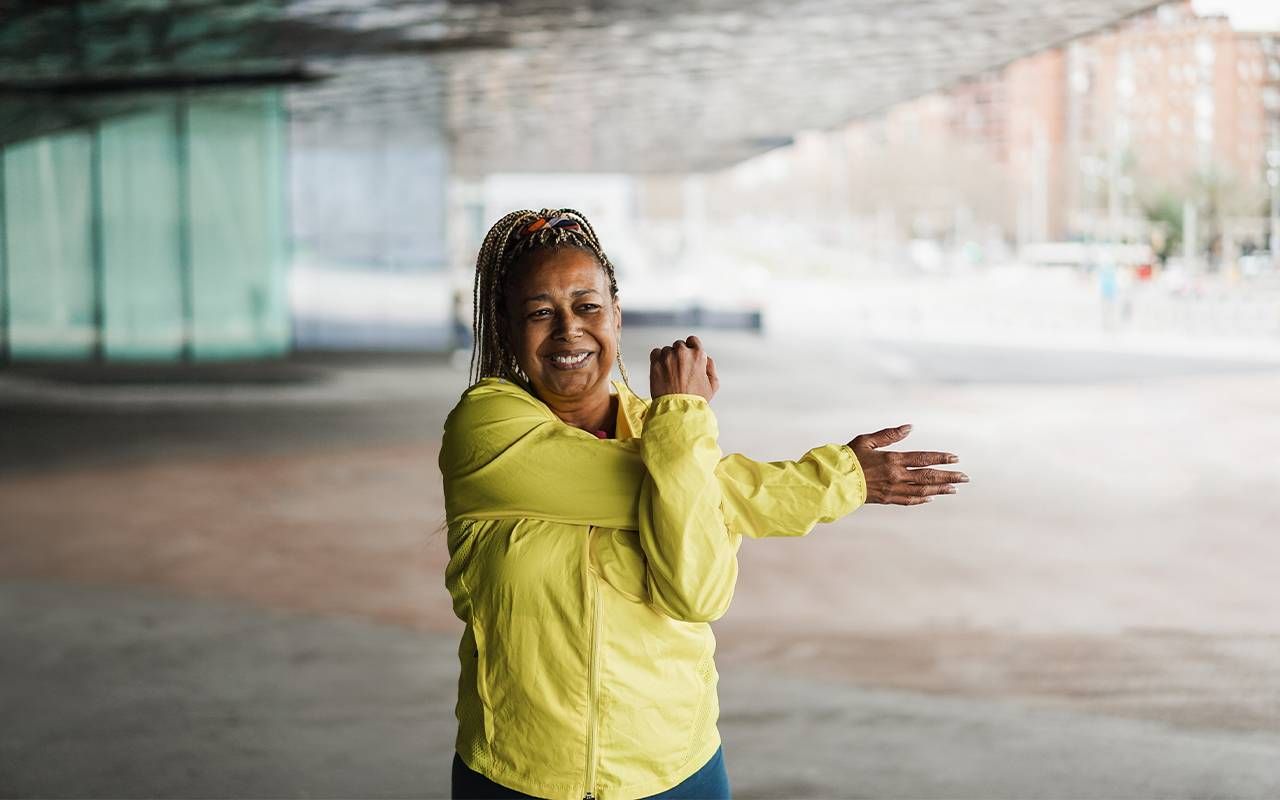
{"x":1163,"y":209}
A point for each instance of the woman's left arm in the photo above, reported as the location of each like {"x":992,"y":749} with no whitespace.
{"x":788,"y":498}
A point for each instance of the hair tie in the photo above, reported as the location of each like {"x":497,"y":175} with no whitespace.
{"x":558,"y":221}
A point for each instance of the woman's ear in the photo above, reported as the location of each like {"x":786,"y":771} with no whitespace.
{"x":617,"y":317}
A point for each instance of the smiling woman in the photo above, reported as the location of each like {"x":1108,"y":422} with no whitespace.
{"x":563,"y":322}
{"x":593,"y":534}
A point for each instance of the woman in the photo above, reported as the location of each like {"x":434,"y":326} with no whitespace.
{"x":593,"y":534}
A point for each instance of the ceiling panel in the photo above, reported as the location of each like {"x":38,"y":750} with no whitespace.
{"x":537,"y":86}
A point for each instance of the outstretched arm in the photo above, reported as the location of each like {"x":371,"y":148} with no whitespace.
{"x":788,"y":498}
{"x":505,"y":455}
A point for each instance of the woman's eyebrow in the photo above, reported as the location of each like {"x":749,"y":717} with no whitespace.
{"x":545,"y":296}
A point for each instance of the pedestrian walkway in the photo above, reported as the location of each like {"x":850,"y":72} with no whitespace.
{"x":235,"y":587}
{"x":140,"y":693}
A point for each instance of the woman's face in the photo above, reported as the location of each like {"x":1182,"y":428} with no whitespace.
{"x":564,"y":325}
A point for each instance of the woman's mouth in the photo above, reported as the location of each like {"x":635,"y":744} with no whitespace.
{"x":570,"y":360}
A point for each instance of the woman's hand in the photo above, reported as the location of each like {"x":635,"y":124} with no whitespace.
{"x":890,"y":477}
{"x":682,"y":368}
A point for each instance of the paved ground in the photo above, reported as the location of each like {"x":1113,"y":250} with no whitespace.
{"x":231,"y":585}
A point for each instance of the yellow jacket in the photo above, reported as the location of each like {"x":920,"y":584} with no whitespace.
{"x":586,"y":571}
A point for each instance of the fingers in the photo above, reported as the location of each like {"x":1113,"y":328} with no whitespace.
{"x":676,"y":347}
{"x":936,"y":476}
{"x":882,"y":438}
{"x":927,"y":490}
{"x":692,"y":343}
{"x":915,"y":495}
{"x":691,"y":346}
{"x":919,"y":458}
{"x":903,"y":500}
{"x":682,"y":367}
{"x":689,"y":342}
{"x":913,"y":487}
{"x":688,"y":348}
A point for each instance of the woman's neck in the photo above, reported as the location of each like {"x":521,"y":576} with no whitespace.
{"x":597,"y":413}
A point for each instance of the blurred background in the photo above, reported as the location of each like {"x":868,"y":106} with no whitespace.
{"x":237,"y":243}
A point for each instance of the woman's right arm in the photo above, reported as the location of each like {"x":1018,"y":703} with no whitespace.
{"x":502,"y":457}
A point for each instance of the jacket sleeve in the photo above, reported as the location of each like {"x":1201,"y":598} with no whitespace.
{"x":788,"y":498}
{"x":691,"y":555}
{"x":504,"y":458}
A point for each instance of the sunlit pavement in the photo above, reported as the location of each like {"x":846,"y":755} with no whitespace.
{"x":234,"y":588}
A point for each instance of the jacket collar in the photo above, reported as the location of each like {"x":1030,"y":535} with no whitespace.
{"x":631,"y":411}
{"x":631,"y":407}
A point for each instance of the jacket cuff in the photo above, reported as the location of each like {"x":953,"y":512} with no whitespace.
{"x":854,"y":477}
{"x":677,"y":417}
{"x":682,"y":400}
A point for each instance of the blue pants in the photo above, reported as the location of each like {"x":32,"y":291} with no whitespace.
{"x":710,"y":782}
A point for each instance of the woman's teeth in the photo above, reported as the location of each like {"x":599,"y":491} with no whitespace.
{"x":570,"y":361}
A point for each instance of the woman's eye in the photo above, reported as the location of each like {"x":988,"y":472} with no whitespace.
{"x":540,"y":313}
{"x":588,"y":306}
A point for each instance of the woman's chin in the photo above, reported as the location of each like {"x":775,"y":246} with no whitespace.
{"x":569,"y":384}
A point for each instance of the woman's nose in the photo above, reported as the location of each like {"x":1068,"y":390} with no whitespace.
{"x":568,"y":326}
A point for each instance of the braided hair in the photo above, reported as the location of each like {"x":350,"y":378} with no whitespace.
{"x":506,"y":247}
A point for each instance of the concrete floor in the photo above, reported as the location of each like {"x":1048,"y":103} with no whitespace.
{"x":231,"y":585}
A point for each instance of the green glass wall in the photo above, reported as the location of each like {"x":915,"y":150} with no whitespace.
{"x":49,"y":277}
{"x":141,"y":259}
{"x":157,"y":235}
{"x":238,"y":244}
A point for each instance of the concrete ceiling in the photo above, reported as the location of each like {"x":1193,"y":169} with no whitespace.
{"x":535,"y":85}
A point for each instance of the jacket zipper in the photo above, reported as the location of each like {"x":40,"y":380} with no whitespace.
{"x":593,"y":671}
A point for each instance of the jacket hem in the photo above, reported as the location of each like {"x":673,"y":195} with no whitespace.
{"x":560,"y":791}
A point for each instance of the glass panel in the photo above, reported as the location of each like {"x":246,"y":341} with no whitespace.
{"x":237,"y":226}
{"x":5,"y":354}
{"x":140,"y":246}
{"x":48,"y":247}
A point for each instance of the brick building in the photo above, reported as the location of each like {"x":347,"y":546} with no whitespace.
{"x":1167,"y":106}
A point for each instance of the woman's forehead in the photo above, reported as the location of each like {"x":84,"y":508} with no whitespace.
{"x":562,"y":270}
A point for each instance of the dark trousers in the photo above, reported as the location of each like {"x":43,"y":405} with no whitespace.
{"x":710,"y":782}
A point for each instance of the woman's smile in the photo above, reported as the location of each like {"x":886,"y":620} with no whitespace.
{"x":570,"y":360}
